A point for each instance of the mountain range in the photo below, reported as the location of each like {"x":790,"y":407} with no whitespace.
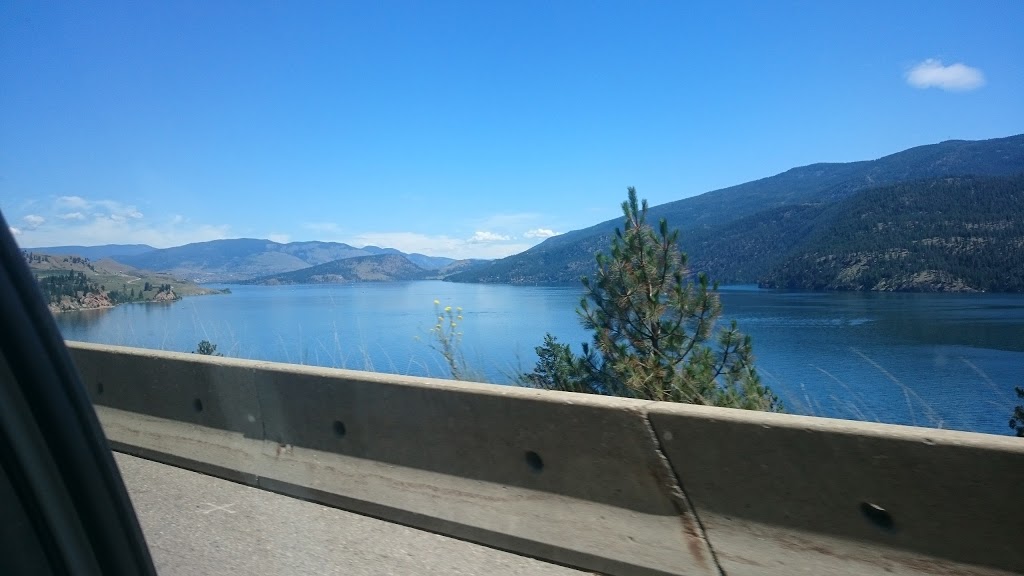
{"x":744,"y":233}
{"x":96,"y":252}
{"x":240,"y":259}
{"x":375,"y":268}
{"x":814,"y":227}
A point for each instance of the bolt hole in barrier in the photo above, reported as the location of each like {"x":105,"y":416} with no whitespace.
{"x":534,"y":461}
{"x":339,"y":429}
{"x":877,"y":515}
{"x":198,"y":405}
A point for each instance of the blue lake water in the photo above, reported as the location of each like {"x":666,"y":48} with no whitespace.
{"x":924,"y":359}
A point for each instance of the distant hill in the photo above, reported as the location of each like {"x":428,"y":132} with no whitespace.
{"x":736,"y":234}
{"x":941,"y":234}
{"x":95,"y":252}
{"x":421,"y":260}
{"x":457,"y":266}
{"x":247,"y":258}
{"x":376,"y":268}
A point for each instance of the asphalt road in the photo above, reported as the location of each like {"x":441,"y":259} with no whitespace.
{"x":197,"y":524}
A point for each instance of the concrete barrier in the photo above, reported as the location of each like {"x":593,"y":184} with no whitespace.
{"x":568,"y":478}
{"x":774,"y":491}
{"x":611,"y":485}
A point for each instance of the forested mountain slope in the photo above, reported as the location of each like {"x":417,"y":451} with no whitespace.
{"x":738,"y":233}
{"x":945,"y":234}
{"x":376,"y":268}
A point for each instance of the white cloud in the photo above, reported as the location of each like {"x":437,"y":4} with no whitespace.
{"x":279,"y":238}
{"x":540,"y":233}
{"x":72,"y":202}
{"x":15,"y":231}
{"x":79,"y":206}
{"x":78,"y":220}
{"x":955,"y":77}
{"x":109,"y":230}
{"x":483,"y":243}
{"x":434,"y":245}
{"x":482,"y":236}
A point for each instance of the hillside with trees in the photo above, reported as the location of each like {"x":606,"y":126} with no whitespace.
{"x":377,"y":268}
{"x":739,"y":234}
{"x":945,"y":234}
{"x":241,"y":259}
{"x":69,"y":283}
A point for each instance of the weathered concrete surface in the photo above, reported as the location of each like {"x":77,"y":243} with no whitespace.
{"x":611,"y":485}
{"x":569,"y":478}
{"x":196,"y":524}
{"x":567,"y":530}
{"x":216,"y":394}
{"x":782,"y":494}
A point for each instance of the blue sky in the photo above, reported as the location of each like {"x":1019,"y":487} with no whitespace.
{"x":465,"y":129}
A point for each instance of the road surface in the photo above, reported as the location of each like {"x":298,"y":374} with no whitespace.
{"x":197,"y":524}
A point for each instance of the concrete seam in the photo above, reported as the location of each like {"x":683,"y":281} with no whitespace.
{"x":263,"y":422}
{"x":677,"y":493}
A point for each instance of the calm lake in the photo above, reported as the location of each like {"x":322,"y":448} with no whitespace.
{"x":949,"y":361}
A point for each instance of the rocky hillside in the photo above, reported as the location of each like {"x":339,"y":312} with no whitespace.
{"x":69,"y":282}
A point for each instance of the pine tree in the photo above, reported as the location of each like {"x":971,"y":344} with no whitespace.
{"x":1017,"y":419}
{"x":207,"y":348}
{"x":654,"y":329}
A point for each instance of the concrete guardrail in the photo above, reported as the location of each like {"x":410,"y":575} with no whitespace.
{"x":611,"y":485}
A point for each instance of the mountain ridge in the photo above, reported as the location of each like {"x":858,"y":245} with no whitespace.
{"x":372,"y":268}
{"x":240,"y":259}
{"x":704,"y":218}
{"x":94,"y":252}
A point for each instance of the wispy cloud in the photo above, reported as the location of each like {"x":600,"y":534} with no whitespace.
{"x":436,"y":245}
{"x":278,"y":237}
{"x":954,"y":78}
{"x":483,"y":237}
{"x":540,"y":233}
{"x":33,"y":221}
{"x":77,"y":220}
{"x":72,"y":202}
{"x":432,"y":244}
{"x":15,"y":231}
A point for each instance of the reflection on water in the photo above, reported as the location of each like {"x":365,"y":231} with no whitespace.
{"x":81,"y":320}
{"x":924,"y":359}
